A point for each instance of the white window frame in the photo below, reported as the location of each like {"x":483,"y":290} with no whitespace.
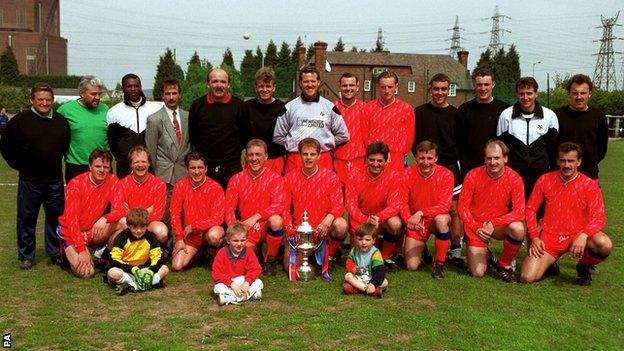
{"x":367,"y":85}
{"x":452,"y":90}
{"x":411,"y":86}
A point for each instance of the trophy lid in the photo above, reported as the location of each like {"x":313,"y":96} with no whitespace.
{"x":305,"y":227}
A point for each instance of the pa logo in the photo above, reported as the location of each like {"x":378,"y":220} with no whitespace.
{"x":6,"y":341}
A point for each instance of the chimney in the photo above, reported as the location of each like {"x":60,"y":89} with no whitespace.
{"x":320,"y":55}
{"x":301,"y":54}
{"x":462,"y":57}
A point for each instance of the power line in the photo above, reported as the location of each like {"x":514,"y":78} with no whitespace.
{"x":455,"y":39}
{"x":497,"y":31}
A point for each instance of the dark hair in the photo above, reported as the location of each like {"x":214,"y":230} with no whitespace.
{"x":348,"y":75}
{"x":99,"y":152}
{"x":425,"y":146}
{"x":307,"y":142}
{"x":265,"y":74}
{"x":484,"y":72}
{"x":569,"y":147}
{"x":194,"y":156}
{"x":125,"y":78}
{"x":439,"y":77}
{"x":526,"y":82}
{"x":378,"y":147}
{"x":365,"y":229}
{"x":40,"y":86}
{"x":579,"y":79}
{"x":309,"y":69}
{"x":137,"y":217}
{"x":388,"y":74}
{"x":170,"y":80}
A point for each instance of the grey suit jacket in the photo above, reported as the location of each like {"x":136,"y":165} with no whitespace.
{"x":166,"y":155}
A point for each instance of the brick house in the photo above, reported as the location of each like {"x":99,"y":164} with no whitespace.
{"x":32,"y":28}
{"x":413,"y":70}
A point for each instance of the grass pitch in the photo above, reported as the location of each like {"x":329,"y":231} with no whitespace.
{"x":46,"y":308}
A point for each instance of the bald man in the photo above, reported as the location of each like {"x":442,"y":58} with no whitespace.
{"x":219,"y":127}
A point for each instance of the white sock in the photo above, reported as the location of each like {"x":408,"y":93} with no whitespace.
{"x":156,"y":279}
{"x":126,"y":278}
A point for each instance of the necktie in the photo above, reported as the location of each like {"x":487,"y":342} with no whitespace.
{"x":176,"y":127}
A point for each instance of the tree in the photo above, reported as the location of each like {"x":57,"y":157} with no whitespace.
{"x":283,"y":57}
{"x":271,"y":54}
{"x":259,"y":57}
{"x":513,"y":61}
{"x":295,"y":52}
{"x":249,"y":66}
{"x":354,"y":49}
{"x":9,"y":72}
{"x":499,"y":66}
{"x":195,"y":60}
{"x":228,"y":58}
{"x":165,"y":68}
{"x":310,"y":51}
{"x":485,"y":61}
{"x":340,"y":47}
{"x":194,"y":84}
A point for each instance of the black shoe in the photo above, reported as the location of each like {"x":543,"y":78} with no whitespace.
{"x":506,"y":274}
{"x":391,"y":266}
{"x":584,"y":277}
{"x":457,"y":262}
{"x":26,"y":264}
{"x":492,"y":260}
{"x":426,"y":256}
{"x":553,"y":270}
{"x":438,"y":270}
{"x":269,"y":266}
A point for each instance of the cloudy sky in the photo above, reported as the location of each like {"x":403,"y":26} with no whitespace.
{"x":114,"y":37}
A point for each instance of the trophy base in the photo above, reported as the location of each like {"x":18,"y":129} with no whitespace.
{"x":305,"y":274}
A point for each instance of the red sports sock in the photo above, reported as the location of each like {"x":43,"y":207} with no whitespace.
{"x":590,"y":258}
{"x":441,"y":247}
{"x":273,"y":245}
{"x":511,"y":247}
{"x":333,"y":245}
{"x":387,"y":250}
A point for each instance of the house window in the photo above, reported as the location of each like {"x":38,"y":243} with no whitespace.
{"x":21,"y":18}
{"x":453,"y":90}
{"x":367,"y":85}
{"x":31,"y":60}
{"x":411,"y":86}
{"x":378,"y":70}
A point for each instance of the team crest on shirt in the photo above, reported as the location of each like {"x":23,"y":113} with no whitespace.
{"x":540,"y":127}
{"x":563,"y":238}
{"x":323,"y":113}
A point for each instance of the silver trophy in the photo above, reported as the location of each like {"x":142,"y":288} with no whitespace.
{"x":305,"y":245}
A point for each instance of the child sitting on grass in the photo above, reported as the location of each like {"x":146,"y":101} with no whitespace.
{"x":136,"y":256}
{"x":365,"y":266}
{"x":235,"y":269}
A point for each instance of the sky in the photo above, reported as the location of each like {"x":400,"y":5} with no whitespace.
{"x":115,"y":37}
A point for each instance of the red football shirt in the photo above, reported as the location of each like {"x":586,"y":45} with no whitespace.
{"x":431,"y":195}
{"x":394,"y":124}
{"x":201,"y":207}
{"x":571,"y":208}
{"x":130,"y":194}
{"x":485,"y":199}
{"x":354,"y":119}
{"x":247,"y":195}
{"x":380,"y":196}
{"x":85,"y":203}
{"x":319,"y":194}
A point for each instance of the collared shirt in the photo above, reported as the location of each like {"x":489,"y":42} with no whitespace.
{"x":48,"y":116}
{"x":170,"y":114}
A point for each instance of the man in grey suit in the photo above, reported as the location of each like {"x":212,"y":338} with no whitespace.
{"x":166,"y":138}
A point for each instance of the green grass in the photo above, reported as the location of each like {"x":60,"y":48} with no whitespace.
{"x":47,"y":308}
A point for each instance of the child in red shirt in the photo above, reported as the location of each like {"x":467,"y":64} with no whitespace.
{"x":236,"y":269}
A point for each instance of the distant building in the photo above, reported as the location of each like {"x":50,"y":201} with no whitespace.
{"x":32,"y":28}
{"x":413,"y":70}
